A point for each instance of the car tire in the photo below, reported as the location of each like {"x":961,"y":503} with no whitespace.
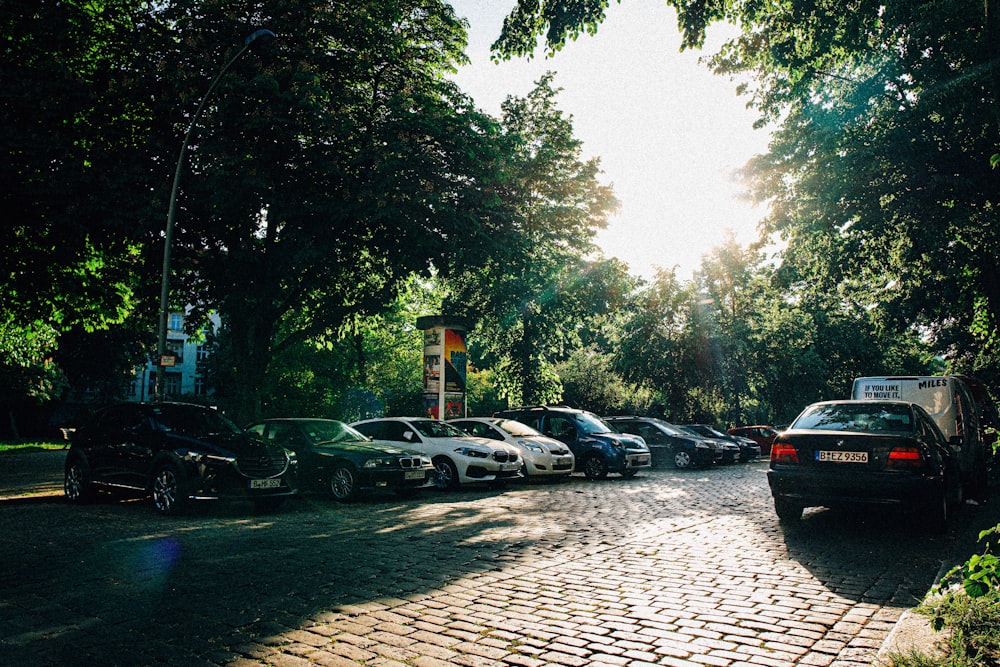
{"x":343,"y":482}
{"x":169,"y":490}
{"x":787,"y":510}
{"x":595,"y":467}
{"x":446,"y":478}
{"x":682,"y":459}
{"x":76,"y":484}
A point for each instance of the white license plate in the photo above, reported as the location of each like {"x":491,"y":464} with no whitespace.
{"x":414,"y":474}
{"x":505,"y":467}
{"x":265,"y":483}
{"x":842,"y":457}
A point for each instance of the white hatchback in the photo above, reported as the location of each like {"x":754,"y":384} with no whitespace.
{"x":458,"y":457}
{"x":543,"y":456}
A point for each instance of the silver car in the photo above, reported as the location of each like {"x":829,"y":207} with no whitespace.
{"x":458,"y":457}
{"x":543,"y":456}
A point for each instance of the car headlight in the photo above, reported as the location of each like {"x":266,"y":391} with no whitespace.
{"x":702,"y":445}
{"x":473,"y":453}
{"x":531,"y":446}
{"x":215,"y":459}
{"x":376,"y":463}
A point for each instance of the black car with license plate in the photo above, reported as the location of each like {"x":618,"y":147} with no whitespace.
{"x":864,"y":454}
{"x":176,"y":453}
{"x":668,"y":445}
{"x":337,"y":458}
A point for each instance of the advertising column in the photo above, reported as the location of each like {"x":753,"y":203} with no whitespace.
{"x":445,"y":366}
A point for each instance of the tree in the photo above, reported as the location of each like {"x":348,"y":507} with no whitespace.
{"x":879,"y":177}
{"x":529,"y":293}
{"x":327,"y":168}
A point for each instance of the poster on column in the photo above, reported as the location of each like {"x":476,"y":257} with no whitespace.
{"x":456,"y":361}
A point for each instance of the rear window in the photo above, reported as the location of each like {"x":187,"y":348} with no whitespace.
{"x":858,"y":417}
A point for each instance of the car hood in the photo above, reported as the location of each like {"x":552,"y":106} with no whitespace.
{"x":364,"y":447}
{"x":235,"y":445}
{"x":626,"y":441}
{"x":475,"y":441}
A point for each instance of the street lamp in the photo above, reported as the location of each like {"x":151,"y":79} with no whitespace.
{"x":161,"y":346}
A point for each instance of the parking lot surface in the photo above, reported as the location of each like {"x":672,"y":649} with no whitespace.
{"x":669,"y":568}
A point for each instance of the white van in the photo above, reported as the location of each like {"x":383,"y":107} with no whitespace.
{"x":949,"y":401}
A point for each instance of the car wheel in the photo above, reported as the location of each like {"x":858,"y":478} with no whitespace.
{"x":787,"y":510}
{"x":76,"y":484}
{"x":595,"y":467}
{"x":169,"y":490}
{"x":446,"y":478}
{"x":343,"y":482}
{"x":682,"y":459}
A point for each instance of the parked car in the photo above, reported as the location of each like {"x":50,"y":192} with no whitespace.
{"x":597,"y":449}
{"x":458,"y":457}
{"x":176,"y":453}
{"x":950,"y":402}
{"x":542,"y":456}
{"x":335,"y":457}
{"x":762,"y":435}
{"x":749,"y":450}
{"x":667,"y":444}
{"x":730,"y":450}
{"x":862,"y":454}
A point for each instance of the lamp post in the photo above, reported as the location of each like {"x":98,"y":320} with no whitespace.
{"x":161,"y":346}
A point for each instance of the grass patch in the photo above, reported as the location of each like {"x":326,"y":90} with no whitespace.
{"x":966,"y":604}
{"x":23,"y":446}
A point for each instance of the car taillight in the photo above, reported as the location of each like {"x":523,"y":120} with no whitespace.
{"x":782,"y":453}
{"x":905,"y":457}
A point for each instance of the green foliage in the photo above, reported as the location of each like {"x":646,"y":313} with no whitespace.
{"x":27,"y":371}
{"x":529,"y":293}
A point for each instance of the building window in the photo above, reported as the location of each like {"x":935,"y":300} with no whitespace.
{"x":200,"y":386}
{"x":176,"y":322}
{"x":172,"y":386}
{"x":176,"y":348}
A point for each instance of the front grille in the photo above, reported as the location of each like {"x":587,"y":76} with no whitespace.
{"x":504,"y":456}
{"x":408,"y":462}
{"x":268,"y":463}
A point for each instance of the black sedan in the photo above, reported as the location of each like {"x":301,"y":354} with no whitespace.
{"x":864,"y":453}
{"x":336,"y":457}
{"x":175,"y":453}
{"x":668,"y":444}
{"x":749,"y":450}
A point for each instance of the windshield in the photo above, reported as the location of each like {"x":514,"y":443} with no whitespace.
{"x":330,"y":430}
{"x":193,"y":421}
{"x":669,"y":428}
{"x":865,"y":417}
{"x":590,"y":423}
{"x":516,"y":428}
{"x":688,"y":431}
{"x":431,"y":428}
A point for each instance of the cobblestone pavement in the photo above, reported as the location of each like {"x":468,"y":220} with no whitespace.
{"x":669,"y":568}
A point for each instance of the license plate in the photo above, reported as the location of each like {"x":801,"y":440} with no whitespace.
{"x":506,"y":467}
{"x":414,"y":474}
{"x":842,"y":457}
{"x":265,"y":483}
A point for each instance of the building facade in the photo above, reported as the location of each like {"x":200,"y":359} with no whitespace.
{"x":187,"y":377}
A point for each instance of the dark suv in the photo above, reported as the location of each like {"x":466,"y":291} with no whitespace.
{"x":596,"y":446}
{"x":176,"y":453}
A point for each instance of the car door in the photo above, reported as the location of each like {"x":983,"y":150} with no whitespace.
{"x":133,"y":443}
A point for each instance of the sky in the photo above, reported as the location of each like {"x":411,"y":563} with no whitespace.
{"x":669,"y":134}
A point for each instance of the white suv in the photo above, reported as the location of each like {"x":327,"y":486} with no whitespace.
{"x":458,"y":457}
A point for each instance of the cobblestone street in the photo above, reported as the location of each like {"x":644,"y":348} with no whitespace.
{"x":668,"y":568}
